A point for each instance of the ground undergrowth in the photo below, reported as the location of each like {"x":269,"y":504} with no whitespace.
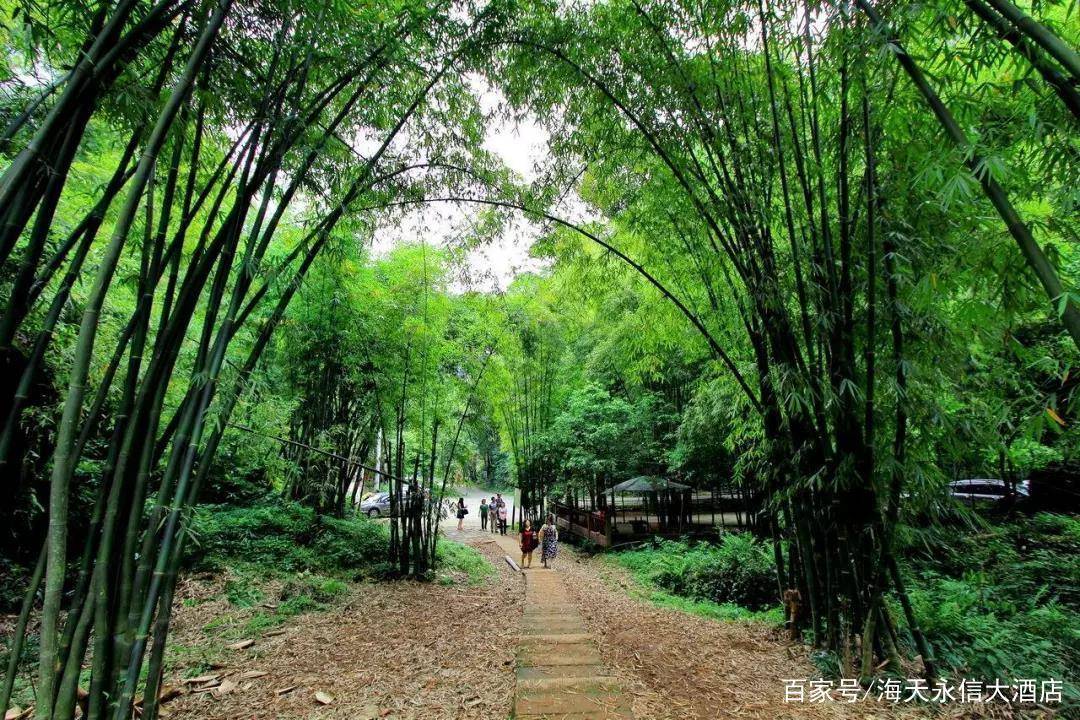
{"x":997,"y":598}
{"x":280,"y":559}
{"x":250,"y":570}
{"x":731,"y":579}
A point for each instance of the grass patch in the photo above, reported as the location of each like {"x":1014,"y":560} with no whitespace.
{"x":645,"y":588}
{"x":196,"y":659}
{"x":23,"y":692}
{"x":254,"y":609}
{"x":712,"y":610}
{"x":262,"y":621}
{"x":737,"y":570}
{"x":458,"y":561}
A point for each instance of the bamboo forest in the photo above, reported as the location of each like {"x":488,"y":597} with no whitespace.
{"x":539,"y":359}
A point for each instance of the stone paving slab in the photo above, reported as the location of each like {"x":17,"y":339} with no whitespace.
{"x":525,"y":674}
{"x":555,"y":638}
{"x":563,"y":702}
{"x":554,"y":628}
{"x":579,"y":683}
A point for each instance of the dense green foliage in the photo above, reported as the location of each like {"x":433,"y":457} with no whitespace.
{"x":288,"y":537}
{"x":999,"y":600}
{"x":1003,"y":600}
{"x":281,"y":538}
{"x":823,"y":254}
{"x":737,"y":570}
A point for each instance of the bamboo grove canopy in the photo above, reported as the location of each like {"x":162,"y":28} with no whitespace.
{"x":190,"y":191}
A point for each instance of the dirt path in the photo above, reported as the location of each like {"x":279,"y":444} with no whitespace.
{"x":676,"y":665}
{"x":560,"y":671}
{"x":564,"y":643}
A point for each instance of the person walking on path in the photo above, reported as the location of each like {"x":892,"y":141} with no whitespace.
{"x":483,"y":513}
{"x":528,"y":544}
{"x":493,"y":512}
{"x":502,"y":516}
{"x":549,"y":541}
{"x":462,"y":511}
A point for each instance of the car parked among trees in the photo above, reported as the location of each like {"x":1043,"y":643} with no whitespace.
{"x":377,"y":505}
{"x":983,"y":491}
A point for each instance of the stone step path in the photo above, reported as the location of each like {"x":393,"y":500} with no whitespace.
{"x":560,"y":672}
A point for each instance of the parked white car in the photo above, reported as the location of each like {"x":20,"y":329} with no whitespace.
{"x":985,"y":490}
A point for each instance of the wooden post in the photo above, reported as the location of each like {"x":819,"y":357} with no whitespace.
{"x":611,"y":528}
{"x":712,"y":508}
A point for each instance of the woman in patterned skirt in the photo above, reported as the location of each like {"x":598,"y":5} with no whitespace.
{"x":549,"y":541}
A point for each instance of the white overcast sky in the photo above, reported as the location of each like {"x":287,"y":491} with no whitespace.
{"x":522,"y":145}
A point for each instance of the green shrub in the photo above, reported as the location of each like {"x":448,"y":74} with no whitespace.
{"x":1028,"y":560}
{"x":981,"y":632}
{"x":1000,"y":600}
{"x":286,"y":537}
{"x":317,"y":587}
{"x":355,"y":543}
{"x":13,"y":581}
{"x":714,"y":610}
{"x":261,"y":622}
{"x":737,"y":570}
{"x":297,"y":604}
{"x":330,"y":588}
{"x":740,"y":570}
{"x":242,"y":594}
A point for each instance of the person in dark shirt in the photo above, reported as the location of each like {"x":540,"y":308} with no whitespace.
{"x":528,"y":544}
{"x":462,"y":511}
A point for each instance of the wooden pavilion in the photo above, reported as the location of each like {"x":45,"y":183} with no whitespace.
{"x":648,"y":506}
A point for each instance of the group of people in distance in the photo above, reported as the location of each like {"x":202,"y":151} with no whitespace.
{"x":493,"y":514}
{"x":495,"y":511}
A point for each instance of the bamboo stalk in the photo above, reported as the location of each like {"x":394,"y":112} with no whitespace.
{"x":1034,"y":255}
{"x":63,"y":461}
